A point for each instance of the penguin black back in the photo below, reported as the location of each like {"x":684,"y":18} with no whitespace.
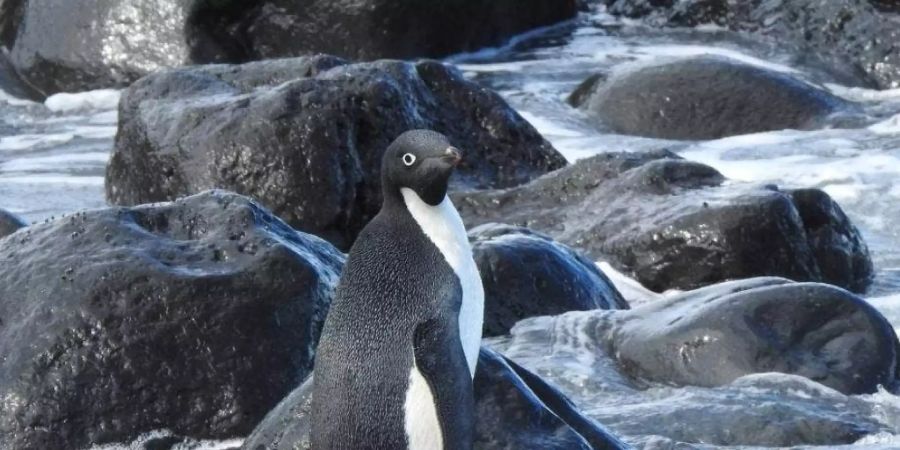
{"x":391,"y":371}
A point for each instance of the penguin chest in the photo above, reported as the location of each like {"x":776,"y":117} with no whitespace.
{"x":423,"y":429}
{"x":444,"y":227}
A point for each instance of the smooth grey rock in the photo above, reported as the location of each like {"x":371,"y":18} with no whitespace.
{"x":704,"y":98}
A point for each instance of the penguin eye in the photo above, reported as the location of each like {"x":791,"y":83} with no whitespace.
{"x":409,"y":159}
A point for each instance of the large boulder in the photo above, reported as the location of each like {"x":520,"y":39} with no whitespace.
{"x":76,"y":45}
{"x":704,"y":98}
{"x":369,"y":29}
{"x":11,"y":83}
{"x":515,"y":410}
{"x":840,"y":32}
{"x":672,"y":223}
{"x":10,"y":17}
{"x":527,"y":274}
{"x":305,"y":136}
{"x":196,"y":316}
{"x":715,"y":335}
{"x":761,"y":407}
{"x":9,"y":223}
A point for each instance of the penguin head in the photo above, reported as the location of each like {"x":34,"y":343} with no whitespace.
{"x":420,"y":160}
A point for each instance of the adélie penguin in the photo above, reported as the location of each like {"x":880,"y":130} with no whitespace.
{"x":397,"y":355}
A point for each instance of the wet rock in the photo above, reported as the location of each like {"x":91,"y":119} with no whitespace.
{"x":704,"y":98}
{"x":712,"y":336}
{"x":10,"y":17}
{"x":9,"y":223}
{"x":756,"y":409}
{"x":11,"y":83}
{"x":527,"y":274}
{"x":841,"y":32}
{"x":515,"y":410}
{"x":78,"y":45}
{"x":305,"y":136}
{"x":196,"y":316}
{"x":890,"y":6}
{"x":370,"y":29}
{"x":671,"y":223}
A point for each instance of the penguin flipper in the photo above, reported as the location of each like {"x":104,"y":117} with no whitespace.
{"x":442,"y":362}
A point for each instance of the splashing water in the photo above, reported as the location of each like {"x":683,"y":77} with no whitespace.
{"x":53,"y":157}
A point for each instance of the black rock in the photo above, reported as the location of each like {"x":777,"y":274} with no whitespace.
{"x":10,"y":17}
{"x":891,"y":6}
{"x":369,"y":29}
{"x":841,"y":32}
{"x":715,"y":335}
{"x":527,"y":274}
{"x":12,"y":84}
{"x":9,"y":223}
{"x":671,"y":223}
{"x":305,"y":136}
{"x":77,"y":45}
{"x":196,"y":317}
{"x":704,"y":98}
{"x":515,"y":410}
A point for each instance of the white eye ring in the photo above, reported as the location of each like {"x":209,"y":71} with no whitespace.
{"x":409,"y":159}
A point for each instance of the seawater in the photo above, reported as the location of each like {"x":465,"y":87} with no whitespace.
{"x":53,"y":157}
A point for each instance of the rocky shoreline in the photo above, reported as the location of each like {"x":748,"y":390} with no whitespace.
{"x":194,"y":305}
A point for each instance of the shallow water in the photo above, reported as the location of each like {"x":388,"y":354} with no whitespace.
{"x":53,"y":156}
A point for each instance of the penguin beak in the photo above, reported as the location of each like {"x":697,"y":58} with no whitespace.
{"x":452,"y":156}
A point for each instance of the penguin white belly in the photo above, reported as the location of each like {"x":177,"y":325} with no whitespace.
{"x":423,"y":430}
{"x":445,"y":229}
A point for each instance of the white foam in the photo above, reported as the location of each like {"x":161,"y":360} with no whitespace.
{"x":889,"y":126}
{"x":91,"y":100}
{"x":42,"y":163}
{"x":685,"y":51}
{"x":52,"y":178}
{"x":633,"y":291}
{"x":879,"y":439}
{"x":489,"y":52}
{"x":139,"y":443}
{"x":889,"y":306}
{"x":858,"y":94}
{"x":25,"y":141}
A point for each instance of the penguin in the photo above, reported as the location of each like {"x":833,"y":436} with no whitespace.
{"x":398,"y":350}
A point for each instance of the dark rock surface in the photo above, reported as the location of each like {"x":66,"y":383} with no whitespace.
{"x":890,"y":6}
{"x":843,"y":32}
{"x":9,"y":223}
{"x":77,"y":45}
{"x":515,"y":408}
{"x":671,"y":223}
{"x":715,"y":335}
{"x":305,"y":136}
{"x":704,"y":98}
{"x":196,"y":317}
{"x":10,"y":18}
{"x":527,"y":274}
{"x":369,"y":29}
{"x":12,"y":84}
